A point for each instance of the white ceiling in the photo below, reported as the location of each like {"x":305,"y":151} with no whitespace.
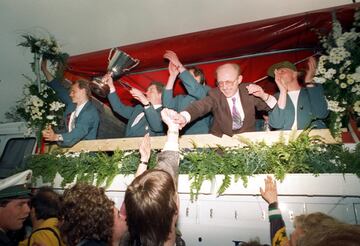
{"x":82,"y":26}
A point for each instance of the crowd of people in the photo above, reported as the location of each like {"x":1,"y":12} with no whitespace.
{"x":229,"y":108}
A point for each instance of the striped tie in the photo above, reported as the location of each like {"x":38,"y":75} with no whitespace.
{"x":236,"y":117}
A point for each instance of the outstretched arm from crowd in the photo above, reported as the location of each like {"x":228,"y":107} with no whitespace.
{"x":277,"y":225}
{"x":168,"y":159}
{"x":145,"y":151}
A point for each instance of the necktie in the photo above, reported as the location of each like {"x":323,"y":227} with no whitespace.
{"x":236,"y":117}
{"x":72,"y":121}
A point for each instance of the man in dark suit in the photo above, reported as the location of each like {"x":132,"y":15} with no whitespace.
{"x":82,"y":117}
{"x":232,"y":103}
{"x":142,"y":118}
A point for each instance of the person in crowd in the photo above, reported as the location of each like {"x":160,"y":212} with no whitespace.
{"x":195,"y":84}
{"x":338,"y":234}
{"x":45,"y":215}
{"x":89,"y":216}
{"x":82,"y":117}
{"x":142,"y":118}
{"x":14,"y":205}
{"x":151,"y":200}
{"x":232,"y":103}
{"x":303,"y":224}
{"x":297,"y":107}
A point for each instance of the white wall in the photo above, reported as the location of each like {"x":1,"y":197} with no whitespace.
{"x":88,"y":25}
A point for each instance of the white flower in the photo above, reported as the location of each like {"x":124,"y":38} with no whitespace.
{"x":334,"y":106}
{"x":55,"y":106}
{"x":50,"y":117}
{"x":357,"y":107}
{"x":350,"y":81}
{"x":357,"y":70}
{"x":343,"y":85}
{"x":319,"y":80}
{"x":342,"y":76}
{"x":356,"y":89}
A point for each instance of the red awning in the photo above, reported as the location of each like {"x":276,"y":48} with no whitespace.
{"x":210,"y":47}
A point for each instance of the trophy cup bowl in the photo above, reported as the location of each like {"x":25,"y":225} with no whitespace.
{"x":119,"y":64}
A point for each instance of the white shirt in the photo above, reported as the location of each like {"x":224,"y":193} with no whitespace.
{"x":75,"y":114}
{"x":294,"y":96}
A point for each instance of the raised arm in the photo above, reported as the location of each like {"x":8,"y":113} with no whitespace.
{"x":277,"y":225}
{"x":192,"y":87}
{"x":116,"y":104}
{"x":145,"y":151}
{"x":168,"y":100}
{"x":56,"y":85}
{"x":168,"y":159}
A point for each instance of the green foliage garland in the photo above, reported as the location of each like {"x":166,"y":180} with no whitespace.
{"x":304,"y":154}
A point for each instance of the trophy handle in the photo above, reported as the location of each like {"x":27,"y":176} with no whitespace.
{"x":111,"y":54}
{"x":135,"y":64}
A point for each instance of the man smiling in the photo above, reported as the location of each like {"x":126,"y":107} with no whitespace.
{"x":232,"y":103}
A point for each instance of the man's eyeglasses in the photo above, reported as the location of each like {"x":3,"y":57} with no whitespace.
{"x":227,"y":83}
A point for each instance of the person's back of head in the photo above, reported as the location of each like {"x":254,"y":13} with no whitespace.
{"x":46,"y":203}
{"x":151,"y":207}
{"x":337,"y":234}
{"x":87,"y":214}
{"x":198,"y":73}
{"x":317,"y":220}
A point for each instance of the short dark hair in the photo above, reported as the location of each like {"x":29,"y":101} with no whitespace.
{"x":47,"y":203}
{"x":87,"y":214}
{"x":150,"y":202}
{"x":159,"y":86}
{"x":198,"y":72}
{"x":84,"y":84}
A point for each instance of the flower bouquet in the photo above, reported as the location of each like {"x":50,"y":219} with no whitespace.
{"x":339,"y":73}
{"x":40,"y":106}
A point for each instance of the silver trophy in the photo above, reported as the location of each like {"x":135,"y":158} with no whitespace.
{"x":119,"y":63}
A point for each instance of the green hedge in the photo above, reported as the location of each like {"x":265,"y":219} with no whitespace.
{"x":304,"y":154}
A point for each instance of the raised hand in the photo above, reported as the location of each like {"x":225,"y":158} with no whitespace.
{"x":270,"y":192}
{"x":173,"y":71}
{"x":138,"y":95}
{"x":280,"y":82}
{"x":168,"y":116}
{"x":173,"y":58}
{"x":145,"y":148}
{"x":257,"y":91}
{"x":107,"y":79}
{"x":310,"y":72}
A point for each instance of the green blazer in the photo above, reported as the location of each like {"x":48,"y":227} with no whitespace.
{"x":87,"y":122}
{"x":311,"y":110}
{"x":178,"y":103}
{"x":151,"y":121}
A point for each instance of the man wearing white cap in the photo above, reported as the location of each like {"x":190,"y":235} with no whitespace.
{"x":14,"y":204}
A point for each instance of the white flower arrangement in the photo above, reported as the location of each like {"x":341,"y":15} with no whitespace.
{"x":40,"y":106}
{"x":339,"y":72}
{"x":40,"y":109}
